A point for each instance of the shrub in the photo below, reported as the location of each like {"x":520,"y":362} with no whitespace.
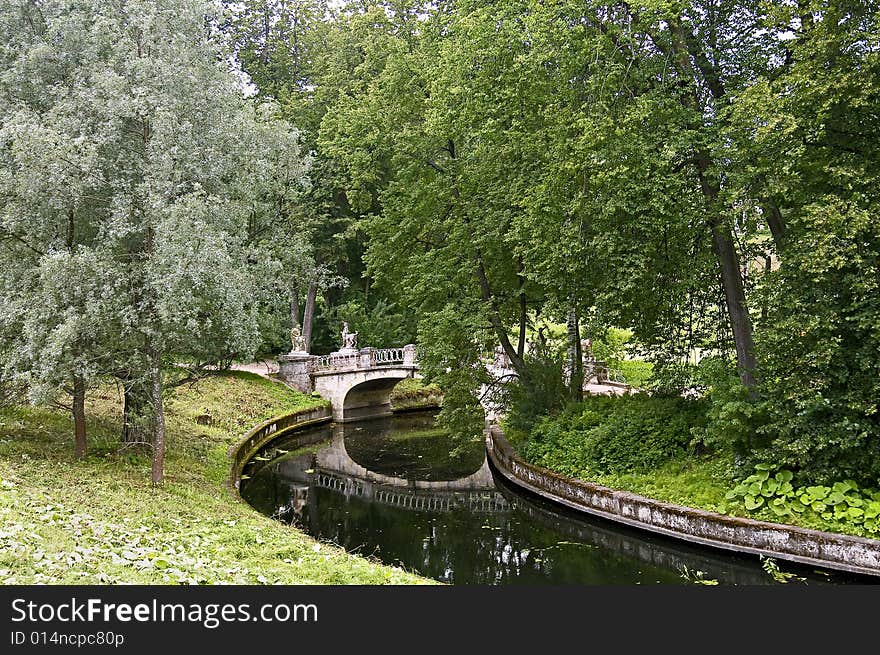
{"x":615,"y":435}
{"x":539,"y":391}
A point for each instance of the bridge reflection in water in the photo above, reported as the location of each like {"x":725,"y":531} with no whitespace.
{"x":388,"y":488}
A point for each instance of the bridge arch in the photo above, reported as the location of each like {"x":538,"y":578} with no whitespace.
{"x":358,"y":394}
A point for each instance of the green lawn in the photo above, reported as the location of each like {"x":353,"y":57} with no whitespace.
{"x":100,"y":521}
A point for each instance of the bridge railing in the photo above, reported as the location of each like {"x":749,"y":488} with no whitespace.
{"x":387,"y":356}
{"x":365,"y":358}
{"x":335,"y":362}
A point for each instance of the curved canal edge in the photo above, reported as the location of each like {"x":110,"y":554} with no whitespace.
{"x":811,"y":547}
{"x":269,"y":430}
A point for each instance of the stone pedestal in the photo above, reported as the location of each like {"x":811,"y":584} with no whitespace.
{"x":409,"y":355}
{"x":366,"y":357}
{"x":294,"y":368}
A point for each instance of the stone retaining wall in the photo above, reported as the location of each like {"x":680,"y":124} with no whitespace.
{"x":810,"y":547}
{"x":269,"y":430}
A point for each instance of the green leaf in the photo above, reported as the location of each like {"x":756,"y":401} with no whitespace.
{"x":763,"y":466}
{"x":836,"y":497}
{"x":818,"y":492}
{"x":784,"y":476}
{"x":854,"y":513}
{"x":754,"y":502}
{"x":780,"y":511}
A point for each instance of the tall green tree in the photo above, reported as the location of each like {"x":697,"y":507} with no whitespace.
{"x":130,"y":159}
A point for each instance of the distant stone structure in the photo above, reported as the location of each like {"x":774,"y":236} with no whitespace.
{"x":357,"y":381}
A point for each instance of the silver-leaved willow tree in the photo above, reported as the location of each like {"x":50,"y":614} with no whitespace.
{"x":131,"y":166}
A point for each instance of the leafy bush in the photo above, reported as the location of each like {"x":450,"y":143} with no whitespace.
{"x":842,"y":502}
{"x":539,"y":391}
{"x":636,"y":372}
{"x":615,"y":435}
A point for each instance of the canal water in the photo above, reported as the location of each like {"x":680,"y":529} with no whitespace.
{"x":389,"y":489}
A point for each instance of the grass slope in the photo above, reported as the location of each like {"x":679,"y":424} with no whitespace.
{"x":100,"y":521}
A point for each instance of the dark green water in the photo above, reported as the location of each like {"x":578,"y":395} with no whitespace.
{"x":389,"y":489}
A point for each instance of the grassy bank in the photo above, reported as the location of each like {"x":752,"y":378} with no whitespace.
{"x":98,"y":520}
{"x":415,"y":394}
{"x":646,"y":446}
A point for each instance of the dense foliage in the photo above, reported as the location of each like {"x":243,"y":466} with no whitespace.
{"x":702,"y":175}
{"x":615,"y":435}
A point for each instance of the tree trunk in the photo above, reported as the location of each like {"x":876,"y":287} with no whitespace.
{"x":735,"y":299}
{"x":79,"y":417}
{"x":158,"y":416}
{"x":495,"y":317}
{"x":523,"y":310}
{"x":774,"y":221}
{"x":575,"y":355}
{"x":294,"y":307}
{"x":135,"y":400}
{"x":309,"y":315}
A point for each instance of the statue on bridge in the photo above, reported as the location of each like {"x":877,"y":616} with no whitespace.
{"x":349,"y":339}
{"x":297,"y":341}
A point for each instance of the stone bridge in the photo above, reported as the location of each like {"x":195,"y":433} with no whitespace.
{"x":358,"y":383}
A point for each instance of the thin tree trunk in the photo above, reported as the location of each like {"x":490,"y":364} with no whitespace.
{"x":294,"y":307}
{"x":523,"y":310}
{"x":79,"y":417}
{"x":135,"y":400}
{"x":158,"y":415}
{"x":575,"y":355}
{"x":79,"y":383}
{"x":774,"y":221}
{"x":495,"y":317}
{"x":309,"y":315}
{"x":768,"y":267}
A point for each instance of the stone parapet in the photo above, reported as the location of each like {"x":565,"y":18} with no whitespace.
{"x":811,"y":547}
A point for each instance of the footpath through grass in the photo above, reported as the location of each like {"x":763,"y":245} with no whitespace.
{"x":99,"y":520}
